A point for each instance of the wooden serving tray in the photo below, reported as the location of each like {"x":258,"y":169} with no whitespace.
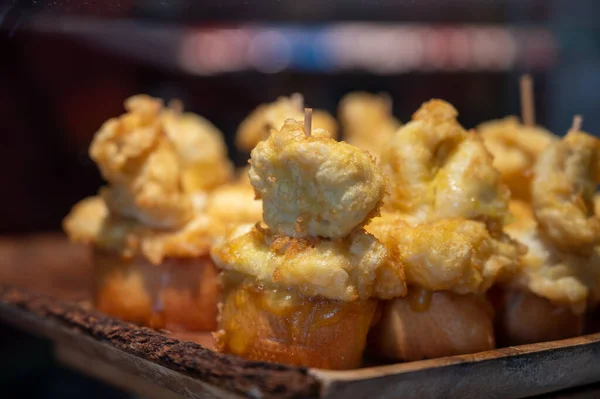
{"x":155,"y":365}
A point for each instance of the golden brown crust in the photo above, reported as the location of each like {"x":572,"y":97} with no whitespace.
{"x":564,"y":278}
{"x":442,"y":324}
{"x":367,"y":121}
{"x":293,"y":329}
{"x":438,"y":170}
{"x":85,"y":221}
{"x":234,"y":204}
{"x":154,"y":158}
{"x":355,"y":267}
{"x":564,"y":184}
{"x":515,"y":148}
{"x":90,"y":223}
{"x":313,"y":185}
{"x":562,"y":264}
{"x":258,"y":125}
{"x":457,"y":255}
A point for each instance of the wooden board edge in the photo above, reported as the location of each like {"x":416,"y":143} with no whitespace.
{"x":512,"y":372}
{"x":91,"y":330}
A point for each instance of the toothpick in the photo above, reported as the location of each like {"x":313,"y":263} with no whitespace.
{"x":387,"y":99}
{"x":297,"y":100}
{"x":577,"y":121}
{"x":527,"y":101}
{"x":176,"y":105}
{"x":307,"y":121}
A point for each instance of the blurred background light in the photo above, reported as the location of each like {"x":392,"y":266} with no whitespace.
{"x":379,"y":49}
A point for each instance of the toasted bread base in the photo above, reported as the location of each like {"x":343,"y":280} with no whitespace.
{"x":447,"y":324}
{"x":297,"y":330}
{"x":525,"y":318}
{"x":179,"y":295}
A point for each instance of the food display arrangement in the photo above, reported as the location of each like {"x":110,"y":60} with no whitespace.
{"x":400,"y":243}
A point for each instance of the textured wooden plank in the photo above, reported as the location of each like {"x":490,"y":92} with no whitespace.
{"x":84,"y":336}
{"x":194,"y":371}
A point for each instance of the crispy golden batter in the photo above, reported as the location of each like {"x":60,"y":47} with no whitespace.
{"x":91,"y":223}
{"x":455,"y":255}
{"x":515,"y":148}
{"x":150,"y":158}
{"x":234,"y":204}
{"x":84,"y":223}
{"x":258,"y":125}
{"x":561,"y":277}
{"x":438,"y":170}
{"x":367,"y":121}
{"x":314,"y":185}
{"x":351,"y":268}
{"x":562,"y":264}
{"x":521,"y":214}
{"x":564,"y":185}
{"x":201,"y":149}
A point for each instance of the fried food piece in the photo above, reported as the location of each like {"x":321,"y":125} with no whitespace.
{"x":142,"y":166}
{"x":367,"y":121}
{"x":90,"y":223}
{"x":521,"y":214}
{"x":563,"y":278}
{"x":153,"y":159}
{"x":314,"y":186}
{"x":201,"y":150}
{"x":234,"y":204}
{"x":456,"y":255}
{"x":564,"y":185}
{"x":258,"y":125}
{"x":437,"y":170}
{"x":85,"y":221}
{"x":355,"y":267}
{"x":515,"y":148}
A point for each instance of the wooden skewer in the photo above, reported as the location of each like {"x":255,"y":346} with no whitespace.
{"x":307,"y":121}
{"x":527,"y":101}
{"x":577,"y":121}
{"x":388,"y":100}
{"x":298,"y":100}
{"x":176,"y":105}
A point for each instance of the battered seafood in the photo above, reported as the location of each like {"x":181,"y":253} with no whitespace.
{"x":153,"y":161}
{"x":149,"y":228}
{"x":561,"y":271}
{"x":301,"y":290}
{"x":258,"y":125}
{"x":313,"y":185}
{"x":564,"y":186}
{"x":367,"y":121}
{"x":457,"y":255}
{"x":444,"y":218}
{"x":515,"y":148}
{"x":438,"y":170}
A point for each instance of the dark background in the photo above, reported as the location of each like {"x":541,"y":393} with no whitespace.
{"x":67,"y":66}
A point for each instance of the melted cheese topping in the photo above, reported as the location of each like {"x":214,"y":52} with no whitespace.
{"x":456,"y":255}
{"x":351,"y":268}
